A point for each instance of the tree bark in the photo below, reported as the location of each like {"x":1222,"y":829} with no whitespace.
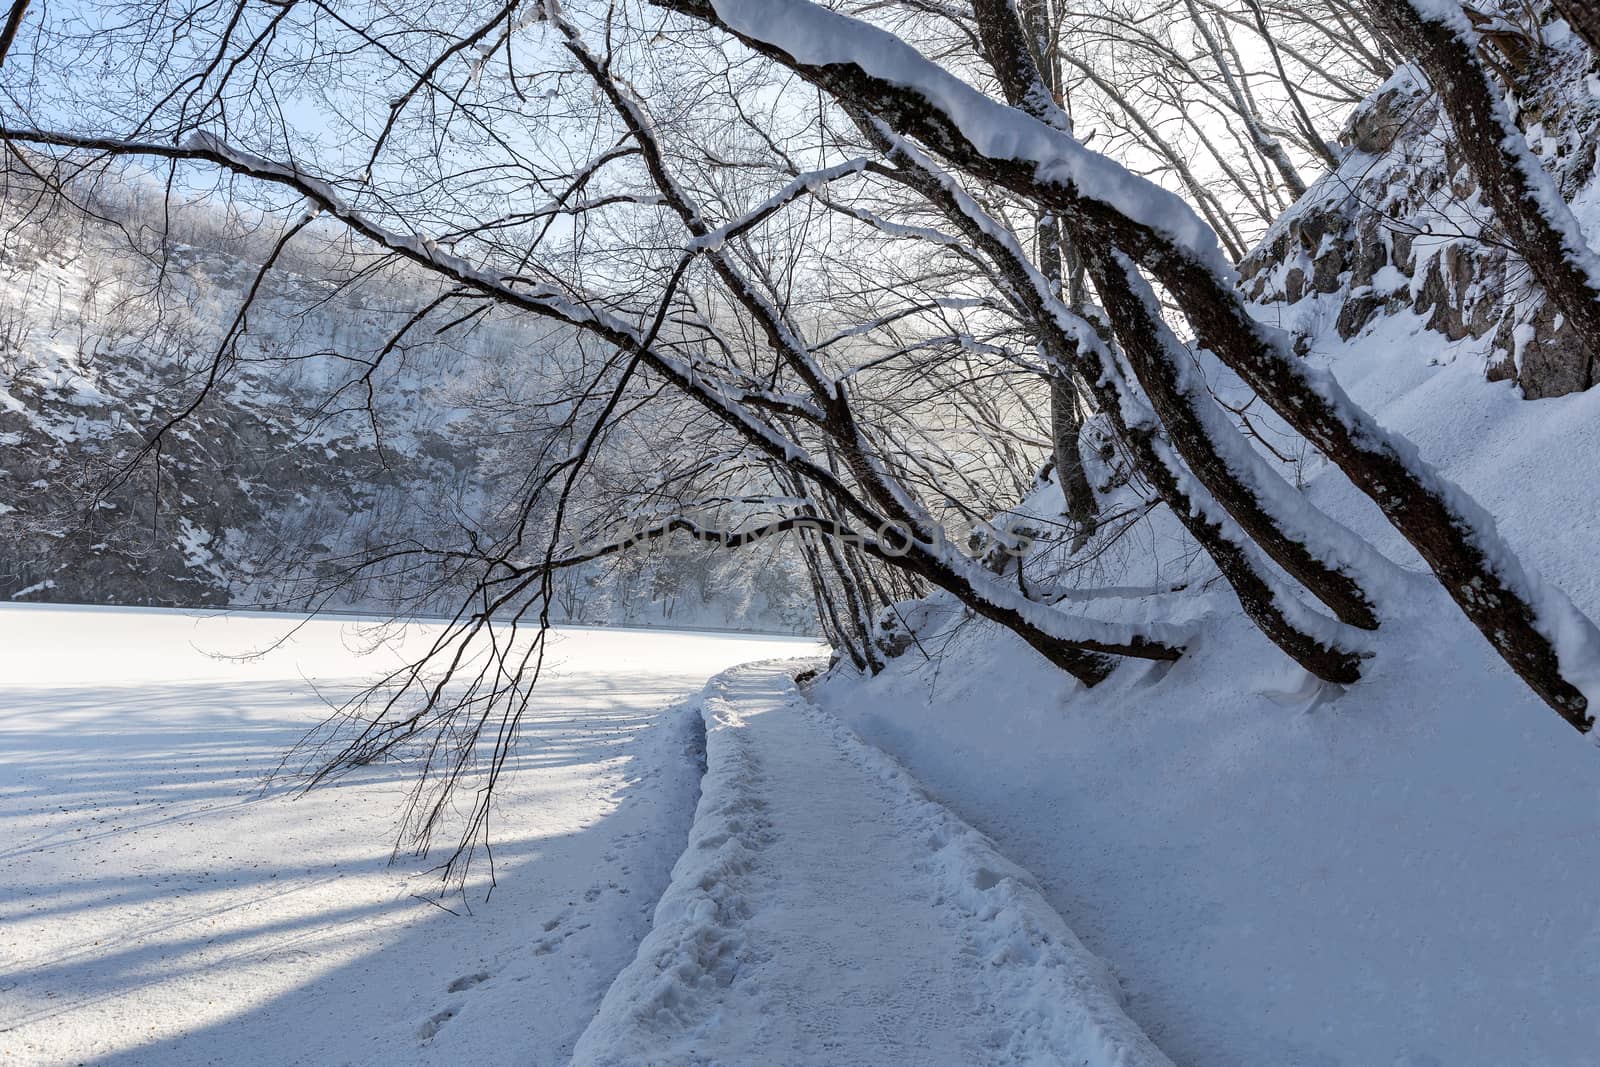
{"x":1264,"y":601}
{"x":1066,"y":428}
{"x":1066,"y":414}
{"x":1175,"y":402}
{"x":8,"y":33}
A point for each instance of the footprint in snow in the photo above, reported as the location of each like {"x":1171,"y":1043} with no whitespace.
{"x":427,"y":1030}
{"x":467,"y":981}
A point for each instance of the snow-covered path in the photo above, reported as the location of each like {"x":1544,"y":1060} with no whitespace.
{"x":826,"y":911}
{"x":155,"y":909}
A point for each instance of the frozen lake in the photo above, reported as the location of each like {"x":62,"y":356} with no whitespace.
{"x":158,"y":907}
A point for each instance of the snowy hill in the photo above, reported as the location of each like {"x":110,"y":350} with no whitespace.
{"x":1401,"y":225}
{"x":322,"y":440}
{"x":1284,"y":871}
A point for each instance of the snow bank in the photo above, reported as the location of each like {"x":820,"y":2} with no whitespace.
{"x":1068,"y":998}
{"x":1400,"y":872}
{"x":694,"y":942}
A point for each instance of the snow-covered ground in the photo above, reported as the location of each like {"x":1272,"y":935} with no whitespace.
{"x":1275,"y":872}
{"x":156,"y":909}
{"x":1281,"y":872}
{"x":159,"y":909}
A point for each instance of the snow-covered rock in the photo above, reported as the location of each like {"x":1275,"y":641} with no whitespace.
{"x":1400,"y":225}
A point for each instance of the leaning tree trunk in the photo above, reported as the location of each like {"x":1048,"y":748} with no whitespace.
{"x":1242,"y":482}
{"x":13,"y":24}
{"x":1275,"y":613}
{"x":1269,"y":519}
{"x":1297,"y":631}
{"x":1528,"y":624}
{"x":1457,"y":539}
{"x":1523,"y":620}
{"x":1066,"y":431}
{"x":1526,"y":202}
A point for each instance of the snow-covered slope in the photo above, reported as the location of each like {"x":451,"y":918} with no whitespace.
{"x":1284,"y":872}
{"x":1401,"y":224}
{"x":1287,"y":873}
{"x":105,"y":337}
{"x":1280,"y":871}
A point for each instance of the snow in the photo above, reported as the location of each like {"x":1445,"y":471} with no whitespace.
{"x":826,"y":911}
{"x":1218,"y":860}
{"x":37,"y":587}
{"x":1327,"y":540}
{"x":1537,"y":182}
{"x":158,"y":909}
{"x":1280,"y":872}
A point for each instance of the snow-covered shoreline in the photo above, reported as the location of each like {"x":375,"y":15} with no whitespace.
{"x":1397,"y":872}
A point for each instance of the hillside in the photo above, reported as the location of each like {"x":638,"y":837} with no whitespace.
{"x":1401,"y":225}
{"x":321,"y":442}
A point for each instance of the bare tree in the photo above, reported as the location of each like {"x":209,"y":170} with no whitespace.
{"x":1534,"y":628}
{"x":1584,"y":18}
{"x":820,"y":304}
{"x":13,"y":25}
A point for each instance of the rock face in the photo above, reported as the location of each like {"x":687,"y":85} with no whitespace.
{"x":1400,"y":226}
